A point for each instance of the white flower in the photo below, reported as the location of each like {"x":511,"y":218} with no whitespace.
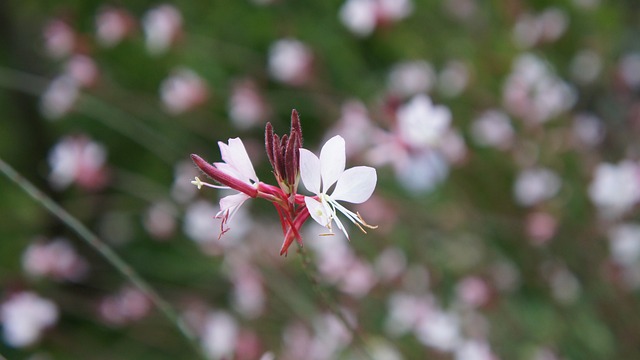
{"x":421,"y":123}
{"x":25,"y":316}
{"x":238,"y":165}
{"x":354,"y":185}
{"x":615,"y":188}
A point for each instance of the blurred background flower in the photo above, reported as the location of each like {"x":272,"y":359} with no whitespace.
{"x":503,"y":134}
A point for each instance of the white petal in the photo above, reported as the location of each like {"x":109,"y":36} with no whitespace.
{"x":232,"y":201}
{"x":237,"y":157}
{"x":356,"y":185}
{"x":332,"y":161}
{"x":317,"y":211}
{"x":310,"y":171}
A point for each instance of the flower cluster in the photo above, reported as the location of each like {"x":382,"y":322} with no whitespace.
{"x":291,"y":163}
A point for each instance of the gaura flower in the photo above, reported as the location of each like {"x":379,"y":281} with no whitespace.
{"x":354,"y":185}
{"x":290,"y":164}
{"x":236,"y":172}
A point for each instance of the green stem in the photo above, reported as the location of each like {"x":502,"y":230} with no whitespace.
{"x":313,"y":279}
{"x":113,"y":258}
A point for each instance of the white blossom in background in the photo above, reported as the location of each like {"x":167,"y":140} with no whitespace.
{"x":182,"y":91}
{"x":59,"y":39}
{"x":440,"y":330}
{"x":493,"y":128}
{"x":160,"y":219}
{"x":624,"y":244}
{"x":182,"y":190}
{"x":59,"y":97}
{"x":546,"y":27}
{"x":390,"y":263}
{"x":220,"y":335}
{"x":330,"y":337}
{"x":56,"y":259}
{"x":615,"y":188}
{"x":474,"y":350}
{"x":79,"y":160}
{"x":248,"y":295}
{"x":454,"y":78}
{"x":162,"y":26}
{"x":83,"y":70}
{"x":421,"y":123}
{"x":362,"y":17}
{"x":629,"y":69}
{"x":588,"y":129}
{"x":359,"y":16}
{"x":406,"y":312}
{"x":25,"y":316}
{"x":535,"y":185}
{"x":533,"y":92}
{"x":586,"y":66}
{"x":112,"y":26}
{"x":247,"y":108}
{"x":410,"y":78}
{"x":290,"y":61}
{"x":355,"y":126}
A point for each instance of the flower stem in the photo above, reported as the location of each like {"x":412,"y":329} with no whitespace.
{"x":90,"y":238}
{"x":324,"y":297}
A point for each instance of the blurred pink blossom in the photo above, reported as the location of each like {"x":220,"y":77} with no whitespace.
{"x":290,"y":62}
{"x":355,"y":126}
{"x":56,"y":259}
{"x":411,"y":78}
{"x":540,"y":227}
{"x":25,"y":316}
{"x":473,"y":291}
{"x":220,"y":335}
{"x":493,"y":128}
{"x":78,"y":159}
{"x":533,"y":92}
{"x":59,"y":38}
{"x":183,"y":90}
{"x":83,"y":70}
{"x":629,"y":69}
{"x":113,"y":25}
{"x":247,"y":108}
{"x":421,"y":123}
{"x":534,"y":29}
{"x":127,"y":306}
{"x":390,"y":263}
{"x":588,"y":129}
{"x":440,"y":330}
{"x":362,"y":16}
{"x":249,"y":296}
{"x":454,"y":78}
{"x":160,"y":219}
{"x":535,"y":185}
{"x":474,"y":350}
{"x":59,"y":97}
{"x":162,"y":27}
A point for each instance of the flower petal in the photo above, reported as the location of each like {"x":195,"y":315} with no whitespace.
{"x":317,"y":211}
{"x":236,"y":155}
{"x":310,"y":171}
{"x":332,"y":161}
{"x":232,"y":202}
{"x":356,"y":185}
